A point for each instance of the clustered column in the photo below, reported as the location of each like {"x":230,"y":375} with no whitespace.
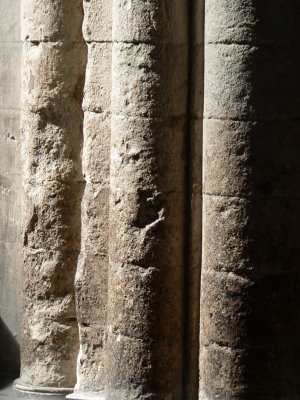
{"x":91,"y":276}
{"x":146,"y":260}
{"x":251,"y":237}
{"x":52,"y":84}
{"x":129,"y":209}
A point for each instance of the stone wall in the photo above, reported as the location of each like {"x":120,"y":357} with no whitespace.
{"x":10,"y":187}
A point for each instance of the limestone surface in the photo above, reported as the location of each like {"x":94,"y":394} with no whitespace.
{"x":51,"y":124}
{"x":147,"y":198}
{"x":10,"y":190}
{"x":91,"y":275}
{"x":251,"y":208}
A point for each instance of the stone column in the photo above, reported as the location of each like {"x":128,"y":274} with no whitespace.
{"x":145,"y":287}
{"x":250,"y":321}
{"x":91,"y":276}
{"x":52,"y":85}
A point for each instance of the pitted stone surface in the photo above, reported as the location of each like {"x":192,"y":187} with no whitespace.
{"x":150,"y":22}
{"x":145,"y":285}
{"x":97,"y":23}
{"x":52,"y":21}
{"x":91,"y":275}
{"x":52,"y":85}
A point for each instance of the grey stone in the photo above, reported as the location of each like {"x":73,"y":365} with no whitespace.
{"x":248,"y":317}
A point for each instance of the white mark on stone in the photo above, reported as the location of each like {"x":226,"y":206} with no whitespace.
{"x":36,"y":251}
{"x":148,"y":227}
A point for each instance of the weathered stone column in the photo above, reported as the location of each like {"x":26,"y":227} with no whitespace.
{"x":145,"y":288}
{"x":52,"y":85}
{"x":91,"y":276}
{"x":250,"y":320}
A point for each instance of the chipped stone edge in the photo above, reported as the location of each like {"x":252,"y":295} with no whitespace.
{"x":20,"y":386}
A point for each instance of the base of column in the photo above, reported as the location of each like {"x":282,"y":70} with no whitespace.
{"x":25,"y":391}
{"x":86,"y":396}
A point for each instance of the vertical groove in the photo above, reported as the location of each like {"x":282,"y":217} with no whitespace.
{"x":52,"y":86}
{"x":193,"y":198}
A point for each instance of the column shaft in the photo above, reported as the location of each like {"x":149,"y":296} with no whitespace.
{"x":52,"y":84}
{"x":91,"y":276}
{"x":250,"y":321}
{"x":145,"y":287}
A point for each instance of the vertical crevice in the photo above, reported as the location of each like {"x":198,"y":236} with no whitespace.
{"x":193,"y":202}
{"x":79,"y":95}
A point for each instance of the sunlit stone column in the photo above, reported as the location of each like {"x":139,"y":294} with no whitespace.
{"x":250,"y":294}
{"x":91,"y":276}
{"x":52,"y":85}
{"x":145,"y":287}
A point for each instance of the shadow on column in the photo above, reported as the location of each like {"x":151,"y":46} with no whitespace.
{"x":272,"y":324}
{"x":9,"y":355}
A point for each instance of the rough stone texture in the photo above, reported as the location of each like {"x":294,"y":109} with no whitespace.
{"x":91,"y":276}
{"x":150,"y":22}
{"x":10,"y":189}
{"x":52,"y":21}
{"x":146,"y":250}
{"x":97,"y":24}
{"x":250,"y":274}
{"x":52,"y":85}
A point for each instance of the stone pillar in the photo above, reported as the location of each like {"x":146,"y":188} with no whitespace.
{"x":52,"y":85}
{"x":194,"y":199}
{"x":91,"y":276}
{"x":250,"y":321}
{"x":145,"y":287}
